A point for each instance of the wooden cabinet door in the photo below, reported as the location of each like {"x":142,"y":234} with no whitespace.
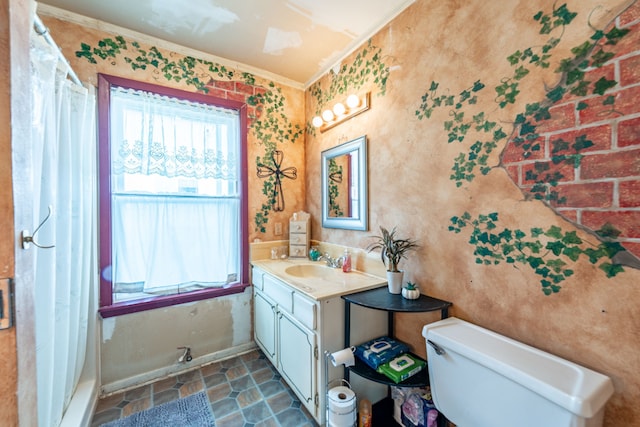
{"x":264,"y":328}
{"x":297,"y":361}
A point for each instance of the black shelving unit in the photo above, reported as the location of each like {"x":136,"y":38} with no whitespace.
{"x":382,"y":299}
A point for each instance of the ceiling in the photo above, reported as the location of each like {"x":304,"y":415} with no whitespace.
{"x":299,"y":40}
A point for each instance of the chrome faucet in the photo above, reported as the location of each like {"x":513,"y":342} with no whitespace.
{"x":331,"y":262}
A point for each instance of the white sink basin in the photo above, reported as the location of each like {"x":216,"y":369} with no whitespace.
{"x":311,"y":271}
{"x":317,"y":280}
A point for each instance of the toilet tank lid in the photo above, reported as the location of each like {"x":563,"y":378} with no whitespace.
{"x":576,"y":388}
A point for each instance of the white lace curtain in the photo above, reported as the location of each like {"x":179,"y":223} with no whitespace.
{"x":175,"y":194}
{"x":172,"y":137}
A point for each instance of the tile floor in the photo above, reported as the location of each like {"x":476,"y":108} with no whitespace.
{"x":244,"y":391}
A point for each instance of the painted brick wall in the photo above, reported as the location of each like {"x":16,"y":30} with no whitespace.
{"x":605,"y":187}
{"x":237,"y":91}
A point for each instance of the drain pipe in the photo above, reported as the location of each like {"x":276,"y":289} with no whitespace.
{"x":186,"y":355}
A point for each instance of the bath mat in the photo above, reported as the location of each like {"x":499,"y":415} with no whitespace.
{"x":191,"y":411}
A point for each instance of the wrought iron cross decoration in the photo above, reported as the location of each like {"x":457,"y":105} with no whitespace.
{"x":335,"y":172}
{"x":266,"y":171}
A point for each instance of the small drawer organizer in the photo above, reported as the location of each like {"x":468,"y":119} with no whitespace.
{"x":299,"y":235}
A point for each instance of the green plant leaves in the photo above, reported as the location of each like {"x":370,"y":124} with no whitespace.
{"x":602,"y":85}
{"x":546,"y":251}
{"x":392,"y":248}
{"x":559,"y":17}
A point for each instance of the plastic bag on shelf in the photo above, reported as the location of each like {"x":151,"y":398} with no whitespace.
{"x":399,"y":394}
{"x":418,"y":411}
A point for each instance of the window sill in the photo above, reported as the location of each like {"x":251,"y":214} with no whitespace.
{"x":134,"y":306}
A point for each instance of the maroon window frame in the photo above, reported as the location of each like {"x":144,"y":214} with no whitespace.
{"x":107,"y":307}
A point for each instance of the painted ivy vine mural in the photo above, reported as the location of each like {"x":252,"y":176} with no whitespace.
{"x":548,"y":252}
{"x":269,"y":124}
{"x":164,"y":67}
{"x":367,"y":68}
{"x":335,"y":178}
{"x":544,"y":251}
{"x":271,"y":128}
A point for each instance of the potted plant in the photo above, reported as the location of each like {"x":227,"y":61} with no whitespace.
{"x":392,"y":250}
{"x":411,"y":291}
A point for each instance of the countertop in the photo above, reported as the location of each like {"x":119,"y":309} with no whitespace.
{"x":334,"y":282}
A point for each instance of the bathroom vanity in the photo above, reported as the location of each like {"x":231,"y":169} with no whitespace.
{"x":299,"y":318}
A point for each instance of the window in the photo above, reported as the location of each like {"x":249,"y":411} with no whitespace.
{"x":173,"y":222}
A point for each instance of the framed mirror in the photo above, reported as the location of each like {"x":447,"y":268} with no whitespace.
{"x":344,"y":185}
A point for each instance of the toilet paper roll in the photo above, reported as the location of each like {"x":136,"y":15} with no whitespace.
{"x":342,"y":407}
{"x":343,"y":357}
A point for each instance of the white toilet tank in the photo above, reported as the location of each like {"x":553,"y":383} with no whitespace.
{"x":483,"y":379}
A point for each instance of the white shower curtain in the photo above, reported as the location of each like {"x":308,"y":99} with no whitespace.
{"x":64,"y":178}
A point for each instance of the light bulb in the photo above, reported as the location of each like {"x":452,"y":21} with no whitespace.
{"x":327,"y":115}
{"x":339,"y":109}
{"x":317,"y":121}
{"x":353,"y":101}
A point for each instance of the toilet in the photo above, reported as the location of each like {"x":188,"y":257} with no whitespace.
{"x":482,"y":379}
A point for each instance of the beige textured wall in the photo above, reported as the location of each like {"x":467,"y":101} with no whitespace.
{"x":143,"y":346}
{"x":132,"y":350}
{"x":18,"y":385}
{"x":69,"y":37}
{"x":8,"y":367}
{"x":593,"y":320}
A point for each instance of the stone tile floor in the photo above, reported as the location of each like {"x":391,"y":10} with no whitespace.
{"x":244,"y":391}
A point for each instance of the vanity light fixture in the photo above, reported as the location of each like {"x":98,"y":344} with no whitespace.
{"x":341,"y":111}
{"x":328,"y":116}
{"x":317,"y":121}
